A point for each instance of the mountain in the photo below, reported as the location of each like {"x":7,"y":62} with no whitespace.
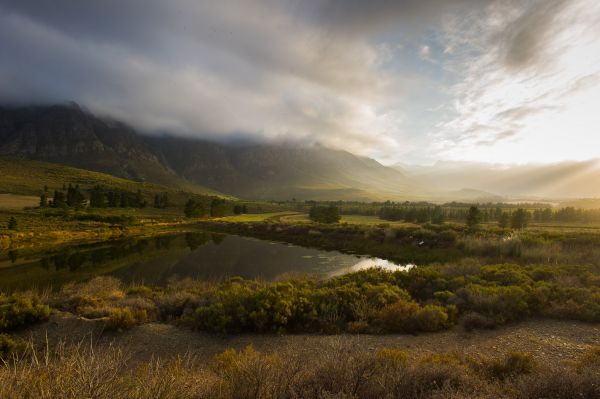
{"x":71,"y":136}
{"x":67,"y":134}
{"x":550,"y":181}
{"x":28,"y":177}
{"x":283,"y":171}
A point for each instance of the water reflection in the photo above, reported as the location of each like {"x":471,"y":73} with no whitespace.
{"x":156,"y":260}
{"x":369,"y":263}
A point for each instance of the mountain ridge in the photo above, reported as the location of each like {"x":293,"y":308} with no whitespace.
{"x":67,"y":134}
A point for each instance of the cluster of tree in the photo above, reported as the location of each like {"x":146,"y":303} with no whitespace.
{"x":325,"y":214}
{"x":517,"y":219}
{"x":567,"y":214}
{"x":161,"y":201}
{"x":435,"y":214}
{"x":99,"y":197}
{"x":102,"y":197}
{"x":240,"y":209}
{"x":194,"y":208}
{"x":68,"y":197}
{"x":217,"y":207}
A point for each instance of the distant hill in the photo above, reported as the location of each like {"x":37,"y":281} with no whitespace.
{"x":28,"y":177}
{"x":561,"y":180}
{"x":71,"y":136}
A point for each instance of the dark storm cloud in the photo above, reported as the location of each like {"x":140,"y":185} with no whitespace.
{"x":275,"y":69}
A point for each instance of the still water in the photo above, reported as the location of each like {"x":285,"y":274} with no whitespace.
{"x":155,"y":260}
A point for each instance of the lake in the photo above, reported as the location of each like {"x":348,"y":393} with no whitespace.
{"x":156,"y":260}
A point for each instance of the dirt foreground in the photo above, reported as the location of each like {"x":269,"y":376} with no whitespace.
{"x":549,"y":341}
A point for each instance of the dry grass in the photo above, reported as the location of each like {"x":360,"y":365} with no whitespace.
{"x":341,"y":370}
{"x":13,"y":201}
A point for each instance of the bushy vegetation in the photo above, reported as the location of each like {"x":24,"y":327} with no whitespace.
{"x":21,"y":310}
{"x":337,"y":370}
{"x":324,"y":214}
{"x":424,"y":299}
{"x":10,"y":347}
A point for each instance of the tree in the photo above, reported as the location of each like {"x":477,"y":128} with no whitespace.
{"x":423,"y":215}
{"x":504,"y":220}
{"x":193,"y":208}
{"x":12,"y":223}
{"x":519,"y":219}
{"x":58,"y":201}
{"x":238,"y":209}
{"x":218,"y":207}
{"x":161,"y":200}
{"x":140,"y":202}
{"x":325,"y":214}
{"x":97,"y":197}
{"x":43,"y":199}
{"x":473,"y":217}
{"x":437,"y":216}
{"x":75,"y":198}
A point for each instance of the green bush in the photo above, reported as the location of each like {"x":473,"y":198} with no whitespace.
{"x":120,"y":319}
{"x":399,"y":317}
{"x":11,"y":346}
{"x":21,"y":311}
{"x":432,"y":318}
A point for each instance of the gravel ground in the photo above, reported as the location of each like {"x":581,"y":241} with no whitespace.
{"x":547,"y":340}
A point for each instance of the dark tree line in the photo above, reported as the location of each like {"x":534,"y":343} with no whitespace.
{"x":217,"y":207}
{"x":325,"y":214}
{"x":99,"y":197}
{"x":102,"y":197}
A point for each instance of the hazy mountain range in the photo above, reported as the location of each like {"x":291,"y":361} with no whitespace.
{"x":549,"y":181}
{"x":69,"y":135}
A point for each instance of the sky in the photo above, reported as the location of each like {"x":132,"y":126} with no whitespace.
{"x":408,"y":81}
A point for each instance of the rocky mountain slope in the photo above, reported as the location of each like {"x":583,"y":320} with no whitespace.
{"x":69,"y":135}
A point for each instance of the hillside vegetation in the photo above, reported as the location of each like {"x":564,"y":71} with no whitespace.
{"x":28,"y":177}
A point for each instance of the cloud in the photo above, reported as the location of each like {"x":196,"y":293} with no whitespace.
{"x":195,"y":68}
{"x":407,"y":78}
{"x":531,"y":71}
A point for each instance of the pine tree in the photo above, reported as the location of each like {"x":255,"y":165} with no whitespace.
{"x":43,"y":200}
{"x":58,"y":201}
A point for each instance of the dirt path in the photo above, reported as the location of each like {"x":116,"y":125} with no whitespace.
{"x":548,"y":340}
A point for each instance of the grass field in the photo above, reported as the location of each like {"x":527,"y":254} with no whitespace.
{"x":27,"y":177}
{"x":15,"y":201}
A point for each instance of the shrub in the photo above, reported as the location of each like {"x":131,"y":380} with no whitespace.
{"x":558,"y":384}
{"x":21,"y":311}
{"x":399,"y":317}
{"x":590,"y":359}
{"x":512,"y":365}
{"x":120,"y":319}
{"x":248,"y":373}
{"x":473,"y":321}
{"x":392,"y":358}
{"x":432,"y":318}
{"x":11,"y":346}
